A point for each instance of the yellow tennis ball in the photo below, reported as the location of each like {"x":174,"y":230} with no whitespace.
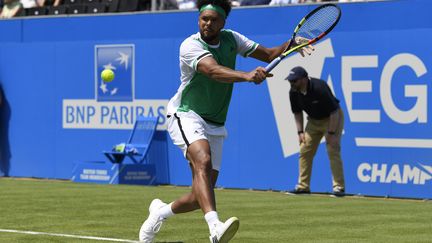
{"x":107,"y":75}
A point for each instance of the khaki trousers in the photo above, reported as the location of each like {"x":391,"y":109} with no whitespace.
{"x":315,"y":130}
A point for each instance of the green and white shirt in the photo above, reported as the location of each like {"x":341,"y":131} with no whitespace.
{"x":205,"y":96}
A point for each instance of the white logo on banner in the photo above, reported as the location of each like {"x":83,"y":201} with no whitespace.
{"x":114,"y":105}
{"x":396,"y":173}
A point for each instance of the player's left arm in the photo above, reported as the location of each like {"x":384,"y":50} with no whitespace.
{"x":265,"y":54}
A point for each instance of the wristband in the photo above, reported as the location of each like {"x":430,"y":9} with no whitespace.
{"x":300,"y":132}
{"x":331,"y":133}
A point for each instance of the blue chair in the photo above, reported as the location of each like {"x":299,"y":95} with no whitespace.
{"x":137,"y":147}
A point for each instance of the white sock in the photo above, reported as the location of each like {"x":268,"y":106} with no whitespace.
{"x":212,"y":219}
{"x":166,"y":211}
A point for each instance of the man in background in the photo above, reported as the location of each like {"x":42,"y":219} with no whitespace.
{"x":325,"y":118}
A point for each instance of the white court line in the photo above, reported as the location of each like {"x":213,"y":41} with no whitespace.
{"x":394,"y":142}
{"x":64,"y":235}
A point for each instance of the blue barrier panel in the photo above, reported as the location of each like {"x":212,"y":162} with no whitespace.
{"x":374,"y":60}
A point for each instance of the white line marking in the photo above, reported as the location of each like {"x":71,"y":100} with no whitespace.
{"x":394,"y":142}
{"x":65,"y":235}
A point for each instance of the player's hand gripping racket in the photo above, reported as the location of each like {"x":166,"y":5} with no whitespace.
{"x":311,"y":29}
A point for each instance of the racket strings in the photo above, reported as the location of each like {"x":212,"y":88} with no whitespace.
{"x":319,"y":22}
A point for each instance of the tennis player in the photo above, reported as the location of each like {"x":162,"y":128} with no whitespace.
{"x":197,"y":113}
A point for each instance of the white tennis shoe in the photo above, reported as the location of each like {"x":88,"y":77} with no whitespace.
{"x":224,"y":232}
{"x":152,"y":225}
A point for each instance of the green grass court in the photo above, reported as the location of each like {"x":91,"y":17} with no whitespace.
{"x":117,"y":211}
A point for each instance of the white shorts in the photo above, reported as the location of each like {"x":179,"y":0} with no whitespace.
{"x":188,"y":127}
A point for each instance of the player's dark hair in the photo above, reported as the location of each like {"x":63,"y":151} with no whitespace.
{"x":224,"y":4}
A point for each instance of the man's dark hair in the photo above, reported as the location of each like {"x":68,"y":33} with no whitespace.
{"x":224,"y":4}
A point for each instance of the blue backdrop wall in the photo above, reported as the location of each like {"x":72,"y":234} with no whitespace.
{"x":57,"y":111}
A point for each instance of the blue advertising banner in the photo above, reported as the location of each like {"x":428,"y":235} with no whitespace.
{"x":62,"y":113}
{"x":107,"y":173}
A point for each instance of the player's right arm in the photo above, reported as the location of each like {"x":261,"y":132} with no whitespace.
{"x":209,"y":67}
{"x":194,"y":57}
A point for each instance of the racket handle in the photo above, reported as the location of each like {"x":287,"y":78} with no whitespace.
{"x":273,"y":64}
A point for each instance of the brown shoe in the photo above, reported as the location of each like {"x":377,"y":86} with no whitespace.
{"x":299,"y":191}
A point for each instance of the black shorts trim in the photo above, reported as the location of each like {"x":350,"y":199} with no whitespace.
{"x":181,"y":129}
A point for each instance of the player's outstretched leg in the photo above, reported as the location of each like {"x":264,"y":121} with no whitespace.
{"x":152,"y":225}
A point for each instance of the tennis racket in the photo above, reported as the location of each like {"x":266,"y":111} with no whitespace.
{"x":311,"y":28}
